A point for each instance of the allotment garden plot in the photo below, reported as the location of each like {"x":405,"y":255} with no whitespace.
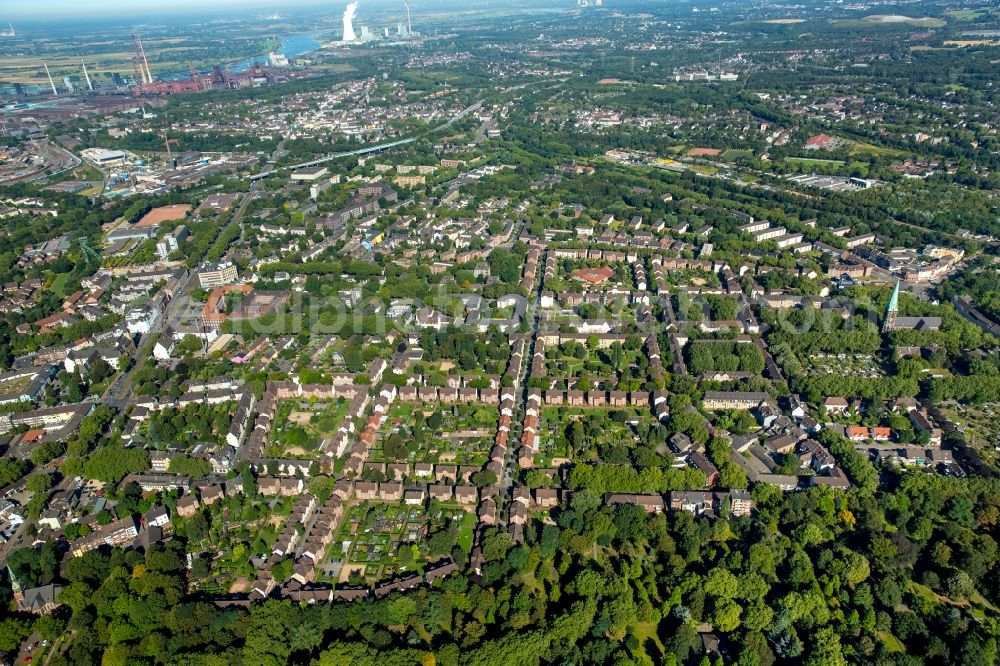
{"x":378,"y":541}
{"x":459,"y":434}
{"x":302,"y":427}
{"x":584,"y":365}
{"x":612,"y":435}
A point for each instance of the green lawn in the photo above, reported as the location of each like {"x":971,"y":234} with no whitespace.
{"x":737,"y":155}
{"x":869,"y":149}
{"x":813,"y":160}
{"x":646,"y":633}
{"x":58,"y":286}
{"x":467,"y":531}
{"x":704,"y":169}
{"x":965,"y":14}
{"x":892,"y":644}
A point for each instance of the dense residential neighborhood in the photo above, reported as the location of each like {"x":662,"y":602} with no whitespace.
{"x":602,"y":333}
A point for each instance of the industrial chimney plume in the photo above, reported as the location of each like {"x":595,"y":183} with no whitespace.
{"x":349,"y":14}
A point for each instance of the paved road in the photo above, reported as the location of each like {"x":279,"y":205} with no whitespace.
{"x":57,"y":160}
{"x":120,"y":392}
{"x":377,"y":147}
{"x":506,"y":482}
{"x":483,"y":129}
{"x":17,"y":539}
{"x":392,"y":144}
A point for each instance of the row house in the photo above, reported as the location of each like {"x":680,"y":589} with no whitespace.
{"x":241,"y":420}
{"x":711,"y":503}
{"x":546,"y":498}
{"x":700,"y":461}
{"x":538,"y":359}
{"x":922,"y":423}
{"x":487,"y":513}
{"x":659,"y":274}
{"x":530,"y":269}
{"x":401,"y":585}
{"x":272,"y":486}
{"x":551,"y":266}
{"x":366,"y":490}
{"x":641,"y":278}
{"x":466,"y":495}
{"x":440,"y":570}
{"x":301,"y":514}
{"x":441,"y":492}
{"x":719,"y":400}
{"x":117,"y":534}
{"x":649,"y":503}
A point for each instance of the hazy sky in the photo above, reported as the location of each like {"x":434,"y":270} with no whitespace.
{"x":55,"y":9}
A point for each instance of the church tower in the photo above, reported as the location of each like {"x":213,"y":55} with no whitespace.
{"x":889,"y":324}
{"x":15,"y":587}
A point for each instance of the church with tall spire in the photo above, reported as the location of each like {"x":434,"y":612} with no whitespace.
{"x":891,"y":310}
{"x":893,"y":322}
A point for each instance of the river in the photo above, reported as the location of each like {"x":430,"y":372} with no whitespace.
{"x":292,"y":46}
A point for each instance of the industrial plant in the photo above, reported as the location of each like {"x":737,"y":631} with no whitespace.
{"x":403,"y":31}
{"x":349,"y":14}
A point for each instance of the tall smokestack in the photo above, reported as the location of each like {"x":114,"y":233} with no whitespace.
{"x":141,"y":79}
{"x":51,"y":82}
{"x":90,"y":86}
{"x":149,"y":75}
{"x":349,"y":14}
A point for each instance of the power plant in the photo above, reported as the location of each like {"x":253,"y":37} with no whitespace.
{"x":367,"y":34}
{"x":349,"y":14}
